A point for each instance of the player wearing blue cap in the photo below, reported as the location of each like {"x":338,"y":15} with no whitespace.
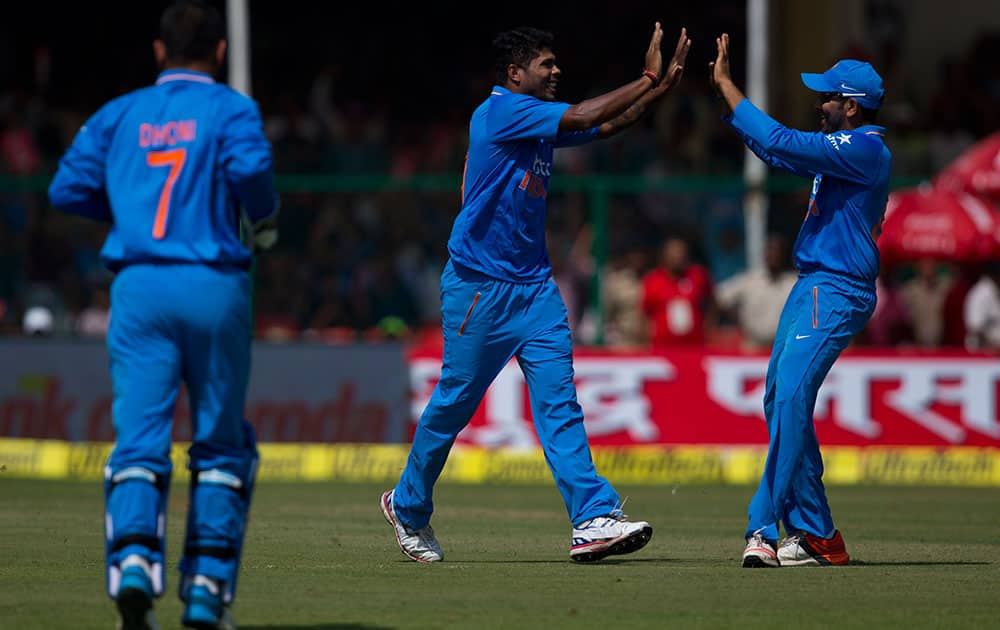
{"x":170,"y":166}
{"x":837,"y":259}
{"x":498,"y":300}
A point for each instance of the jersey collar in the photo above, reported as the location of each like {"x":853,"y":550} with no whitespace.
{"x":871,"y":130}
{"x":183,"y":74}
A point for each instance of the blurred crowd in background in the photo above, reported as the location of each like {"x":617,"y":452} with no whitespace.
{"x":364,"y":264}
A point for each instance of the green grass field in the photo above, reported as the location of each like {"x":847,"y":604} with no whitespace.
{"x":320,"y":556}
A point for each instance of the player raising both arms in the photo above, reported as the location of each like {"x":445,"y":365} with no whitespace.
{"x":831,"y":302}
{"x":169,"y":166}
{"x":498,"y":300}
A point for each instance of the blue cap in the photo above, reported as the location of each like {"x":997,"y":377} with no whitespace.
{"x":851,"y":78}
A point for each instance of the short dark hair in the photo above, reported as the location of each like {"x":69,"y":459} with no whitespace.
{"x":191,"y":30}
{"x":518,"y":46}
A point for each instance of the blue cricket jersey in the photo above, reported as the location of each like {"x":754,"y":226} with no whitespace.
{"x":850,"y":171}
{"x":170,"y":166}
{"x":500,"y":230}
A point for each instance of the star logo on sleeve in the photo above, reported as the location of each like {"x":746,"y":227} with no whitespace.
{"x":844,"y":138}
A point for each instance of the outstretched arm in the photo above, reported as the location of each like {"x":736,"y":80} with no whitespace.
{"x":732,"y":96}
{"x":600,"y":109}
{"x":722,"y":80}
{"x":673,"y":76}
{"x":798,"y":152}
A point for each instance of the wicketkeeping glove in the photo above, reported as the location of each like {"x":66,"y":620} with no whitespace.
{"x":265,"y":233}
{"x":261,"y":235}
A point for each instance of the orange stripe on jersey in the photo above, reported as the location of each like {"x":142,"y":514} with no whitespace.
{"x":465,"y":169}
{"x":815,"y":311}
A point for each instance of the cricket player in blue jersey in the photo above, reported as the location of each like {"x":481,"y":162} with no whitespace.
{"x":837,"y":260}
{"x":175,"y":168}
{"x":498,"y":299}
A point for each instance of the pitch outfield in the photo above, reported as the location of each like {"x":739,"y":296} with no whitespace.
{"x":319,"y":556}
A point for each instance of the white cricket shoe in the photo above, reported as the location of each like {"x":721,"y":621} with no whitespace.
{"x":760,"y":553}
{"x":804,"y":549}
{"x":608,"y":535}
{"x":419,"y":545}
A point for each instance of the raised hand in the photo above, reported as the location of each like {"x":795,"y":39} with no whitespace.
{"x":720,"y":67}
{"x":654,"y":59}
{"x":676,"y":67}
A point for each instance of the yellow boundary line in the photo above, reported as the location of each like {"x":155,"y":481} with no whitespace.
{"x":664,"y":465}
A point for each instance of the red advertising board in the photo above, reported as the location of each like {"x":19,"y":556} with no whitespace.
{"x":330,"y":394}
{"x":690,"y":396}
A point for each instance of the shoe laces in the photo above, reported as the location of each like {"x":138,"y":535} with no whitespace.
{"x":617,"y":513}
{"x":789,"y":540}
{"x":425,"y":534}
{"x":757,"y":538}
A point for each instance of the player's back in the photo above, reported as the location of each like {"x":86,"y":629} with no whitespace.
{"x":175,"y":154}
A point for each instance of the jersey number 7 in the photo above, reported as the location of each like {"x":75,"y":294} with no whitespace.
{"x":174,"y":158}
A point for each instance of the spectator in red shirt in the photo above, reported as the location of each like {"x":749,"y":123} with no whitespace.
{"x":677,"y":297}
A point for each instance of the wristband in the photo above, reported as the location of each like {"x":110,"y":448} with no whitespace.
{"x":649,"y":74}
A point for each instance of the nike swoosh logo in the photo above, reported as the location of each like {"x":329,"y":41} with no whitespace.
{"x":802,"y":336}
{"x":846,"y":90}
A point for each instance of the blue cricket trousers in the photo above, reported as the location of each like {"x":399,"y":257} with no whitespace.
{"x":485,"y":322}
{"x":173,"y":323}
{"x":823,"y":312}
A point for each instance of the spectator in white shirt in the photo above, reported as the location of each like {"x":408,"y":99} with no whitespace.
{"x":756,"y":296}
{"x":982,"y":311}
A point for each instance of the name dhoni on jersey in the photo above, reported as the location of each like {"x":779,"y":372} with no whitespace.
{"x":167,"y":134}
